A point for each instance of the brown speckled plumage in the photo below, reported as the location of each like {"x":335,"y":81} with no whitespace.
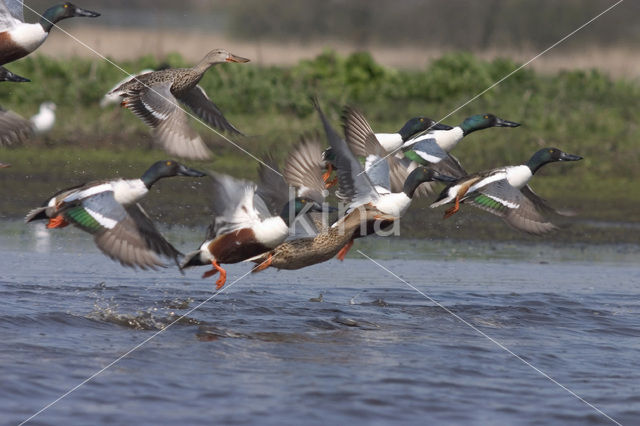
{"x":154,"y":97}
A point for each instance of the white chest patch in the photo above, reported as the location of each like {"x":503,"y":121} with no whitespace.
{"x":447,"y":139}
{"x":389,"y":141}
{"x":394,"y":204}
{"x":518,"y":176}
{"x":271,"y":231}
{"x":28,"y":36}
{"x":128,"y":191}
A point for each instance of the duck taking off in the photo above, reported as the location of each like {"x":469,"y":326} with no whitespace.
{"x":245,"y":224}
{"x":18,"y":39}
{"x":109,"y":210}
{"x":505,"y":192}
{"x":154,"y":97}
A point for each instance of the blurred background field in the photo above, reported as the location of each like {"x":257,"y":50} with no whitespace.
{"x":393,"y":60}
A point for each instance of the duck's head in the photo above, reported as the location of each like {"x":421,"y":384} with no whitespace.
{"x":484,"y":121}
{"x":299,"y":205}
{"x":168,"y":168}
{"x":423,"y":174}
{"x":62,"y":11}
{"x":420,"y":124}
{"x":218,"y":56}
{"x":549,"y":155}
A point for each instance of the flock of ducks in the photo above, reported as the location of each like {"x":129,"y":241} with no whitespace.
{"x":284,"y":220}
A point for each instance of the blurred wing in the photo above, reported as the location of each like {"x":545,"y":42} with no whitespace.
{"x":201,"y":105}
{"x":512,"y":206}
{"x":10,"y":14}
{"x":354,"y":184}
{"x":133,"y":240}
{"x":233,"y":203}
{"x":13,"y":128}
{"x":378,"y":171}
{"x":542,"y":205}
{"x":303,"y":169}
{"x":356,"y":131}
{"x":272,"y":190}
{"x":158,"y":108}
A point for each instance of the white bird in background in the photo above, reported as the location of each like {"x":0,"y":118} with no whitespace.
{"x":113,"y":98}
{"x":44,"y":120}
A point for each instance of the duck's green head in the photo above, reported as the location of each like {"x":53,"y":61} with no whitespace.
{"x":549,"y":155}
{"x":484,"y":121}
{"x":299,"y":205}
{"x":423,"y":174}
{"x":420,"y":124}
{"x":62,"y":11}
{"x":167,"y":168}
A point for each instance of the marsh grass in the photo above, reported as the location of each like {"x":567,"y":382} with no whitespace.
{"x":582,"y":112}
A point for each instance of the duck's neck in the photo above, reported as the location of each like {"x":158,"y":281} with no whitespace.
{"x":149,"y":178}
{"x":50,"y":17}
{"x":201,"y":68}
{"x":535,"y":162}
{"x":411,"y":184}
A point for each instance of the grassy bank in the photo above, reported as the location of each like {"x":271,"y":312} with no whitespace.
{"x":585,"y":113}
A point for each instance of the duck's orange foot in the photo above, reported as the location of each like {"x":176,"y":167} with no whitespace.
{"x":124,"y":104}
{"x":344,"y":250}
{"x":327,"y":173}
{"x":210,"y":273}
{"x":57,"y":222}
{"x":331,"y":183}
{"x":222,"y":279}
{"x":264,"y":265}
{"x":452,"y":210}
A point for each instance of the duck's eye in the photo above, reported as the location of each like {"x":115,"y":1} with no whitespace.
{"x":168,"y":163}
{"x":486,"y":117}
{"x":422,"y":120}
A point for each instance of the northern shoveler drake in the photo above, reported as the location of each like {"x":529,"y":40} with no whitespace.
{"x":13,"y":129}
{"x":363,"y":142}
{"x":245,"y":224}
{"x":108,"y":209}
{"x":154,"y":97}
{"x":505,"y":192}
{"x":6,"y":75}
{"x":44,"y":120}
{"x":371,"y":189}
{"x":18,"y":39}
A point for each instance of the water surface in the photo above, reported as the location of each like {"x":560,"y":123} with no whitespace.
{"x":337,"y":343}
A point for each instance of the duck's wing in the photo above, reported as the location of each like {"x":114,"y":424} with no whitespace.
{"x":11,"y":14}
{"x":509,"y":203}
{"x":427,"y":151}
{"x":124,"y":234}
{"x":201,"y":105}
{"x":303,"y":169}
{"x":233,"y":204}
{"x":354,"y":184}
{"x":272,"y":188}
{"x":13,"y":128}
{"x":159,"y":109}
{"x":400,"y":169}
{"x":542,"y":204}
{"x":356,"y":131}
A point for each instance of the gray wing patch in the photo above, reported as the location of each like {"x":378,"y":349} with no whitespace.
{"x":378,"y":171}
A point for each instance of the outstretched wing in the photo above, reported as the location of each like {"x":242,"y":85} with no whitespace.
{"x":303,"y":169}
{"x":354,"y":184}
{"x":11,"y":14}
{"x":126,"y":235}
{"x":201,"y":105}
{"x":159,"y":109}
{"x":516,"y":209}
{"x":233,"y":204}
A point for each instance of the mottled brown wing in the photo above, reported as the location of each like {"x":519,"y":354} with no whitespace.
{"x":201,"y":105}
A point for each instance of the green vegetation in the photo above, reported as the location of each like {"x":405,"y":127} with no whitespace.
{"x":582,"y":112}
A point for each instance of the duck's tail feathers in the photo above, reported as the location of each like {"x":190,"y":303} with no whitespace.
{"x":192,"y":259}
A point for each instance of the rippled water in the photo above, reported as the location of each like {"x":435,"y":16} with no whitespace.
{"x":338,"y":343}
